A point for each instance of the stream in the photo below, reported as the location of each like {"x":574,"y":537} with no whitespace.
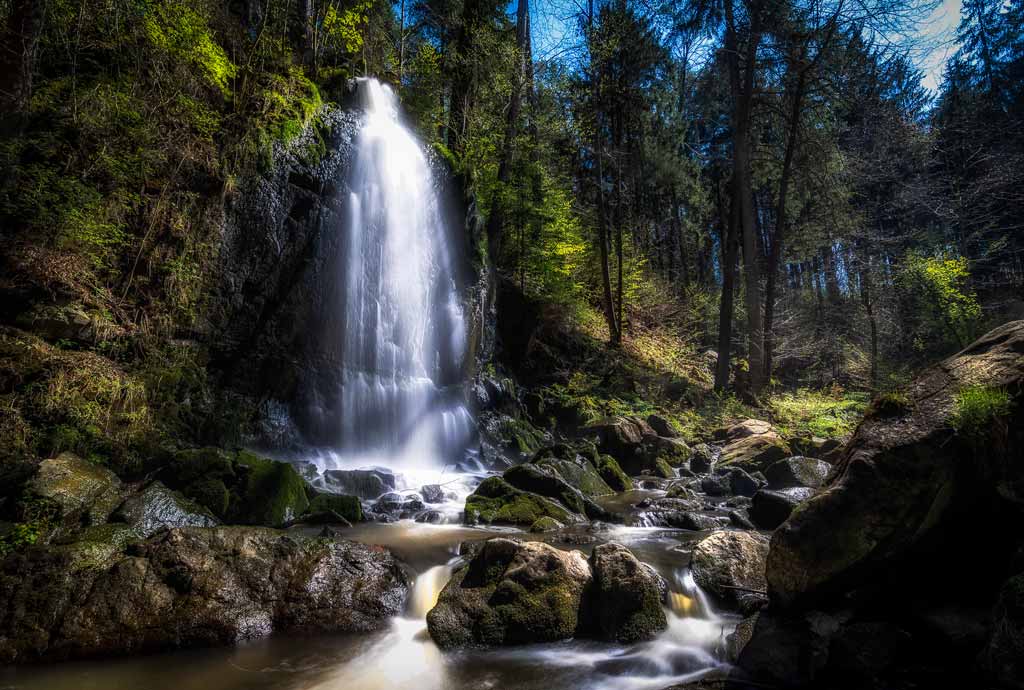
{"x":403,"y":657}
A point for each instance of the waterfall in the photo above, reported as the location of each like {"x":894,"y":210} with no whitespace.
{"x":403,"y":332}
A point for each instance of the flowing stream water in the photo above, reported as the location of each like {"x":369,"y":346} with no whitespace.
{"x":402,"y":408}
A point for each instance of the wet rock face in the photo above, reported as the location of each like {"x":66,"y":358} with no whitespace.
{"x":515,"y":592}
{"x":797,"y":471}
{"x":366,"y":484}
{"x":156,"y":508}
{"x":730,"y":565}
{"x":190,"y":587}
{"x":496,"y":501}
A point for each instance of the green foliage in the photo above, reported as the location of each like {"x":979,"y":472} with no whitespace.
{"x":889,"y":404}
{"x":977,"y":408}
{"x":940,"y":285}
{"x":831,"y":413}
{"x":176,"y":27}
{"x":20,"y":535}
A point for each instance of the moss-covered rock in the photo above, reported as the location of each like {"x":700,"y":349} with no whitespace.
{"x":624,"y":602}
{"x":81,"y":492}
{"x":346,"y":507}
{"x":546,"y":524}
{"x":238,"y":487}
{"x":575,"y":470}
{"x":543,"y":481}
{"x":612,"y":474}
{"x":674,"y":451}
{"x":754,"y":451}
{"x":511,"y":593}
{"x":271,"y":493}
{"x":496,"y":501}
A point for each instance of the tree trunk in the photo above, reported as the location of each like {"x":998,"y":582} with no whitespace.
{"x":728,"y":239}
{"x":742,"y":87}
{"x":18,"y":53}
{"x":779,"y":235}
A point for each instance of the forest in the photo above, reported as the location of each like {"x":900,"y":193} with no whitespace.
{"x":680,"y":341}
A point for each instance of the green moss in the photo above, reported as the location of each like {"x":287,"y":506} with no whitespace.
{"x":830,"y":413}
{"x":210,"y":493}
{"x":977,"y":408}
{"x":663,"y":469}
{"x":610,"y":471}
{"x":271,"y":493}
{"x":20,"y":535}
{"x":521,"y":435}
{"x":496,"y":501}
{"x":545,"y":524}
{"x":347,"y":507}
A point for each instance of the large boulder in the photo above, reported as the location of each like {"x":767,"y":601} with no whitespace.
{"x":271,"y":493}
{"x":80,"y":492}
{"x":496,"y":501}
{"x":620,"y":437}
{"x":851,"y":572}
{"x":752,"y":445}
{"x":908,"y":477}
{"x":156,"y":508}
{"x":574,"y":469}
{"x":662,"y":426}
{"x":189,"y":587}
{"x":511,"y":593}
{"x":769,"y":509}
{"x":366,"y":484}
{"x":623,"y":604}
{"x":542,"y":480}
{"x":730,"y":565}
{"x":797,"y":471}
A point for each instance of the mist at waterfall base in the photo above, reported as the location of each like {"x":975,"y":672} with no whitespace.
{"x":393,"y":397}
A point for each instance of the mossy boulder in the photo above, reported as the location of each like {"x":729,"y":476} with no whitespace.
{"x":79,"y":492}
{"x":624,"y":601}
{"x":674,"y":451}
{"x":239,"y":487}
{"x":612,"y":474}
{"x":496,"y":501}
{"x":543,"y":481}
{"x":324,"y":506}
{"x":156,"y":508}
{"x":271,"y":493}
{"x":511,"y":593}
{"x":753,"y":446}
{"x":574,"y":469}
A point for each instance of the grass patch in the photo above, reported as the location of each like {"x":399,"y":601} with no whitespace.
{"x":978,"y":407}
{"x":829,"y":413}
{"x":889,"y":404}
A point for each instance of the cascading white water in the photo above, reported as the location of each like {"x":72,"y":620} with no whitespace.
{"x":404,"y":333}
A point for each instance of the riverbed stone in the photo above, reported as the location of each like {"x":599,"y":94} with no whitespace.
{"x":543,"y":481}
{"x":366,"y":484}
{"x":769,"y":508}
{"x":624,"y":601}
{"x":731,"y":566}
{"x":612,"y":473}
{"x":327,"y":505}
{"x":190,"y":587}
{"x":702,"y":457}
{"x":797,"y":471}
{"x":574,"y":470}
{"x":662,"y":427}
{"x":511,"y":593}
